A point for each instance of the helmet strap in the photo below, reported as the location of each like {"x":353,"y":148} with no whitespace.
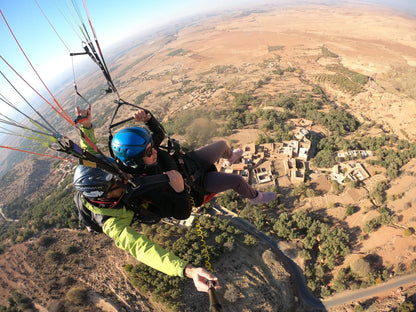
{"x":110,"y":204}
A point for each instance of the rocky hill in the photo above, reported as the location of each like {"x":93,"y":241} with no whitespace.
{"x":25,"y":179}
{"x":50,"y":268}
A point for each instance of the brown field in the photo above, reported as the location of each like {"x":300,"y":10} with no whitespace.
{"x":377,"y":42}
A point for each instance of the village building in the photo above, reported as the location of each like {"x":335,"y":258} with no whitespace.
{"x":297,"y":152}
{"x":295,"y":169}
{"x":354,"y":154}
{"x":352,"y":171}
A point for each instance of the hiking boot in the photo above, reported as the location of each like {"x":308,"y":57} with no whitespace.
{"x":263,"y":198}
{"x":236,"y":155}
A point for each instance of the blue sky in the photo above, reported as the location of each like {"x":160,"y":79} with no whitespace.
{"x":112,"y":20}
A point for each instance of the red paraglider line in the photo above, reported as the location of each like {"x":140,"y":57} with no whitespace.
{"x":62,"y":113}
{"x":34,"y":153}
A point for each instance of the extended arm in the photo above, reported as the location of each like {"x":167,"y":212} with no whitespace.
{"x":158,"y":133}
{"x":155,"y":256}
{"x":142,"y":248}
{"x":125,"y":237}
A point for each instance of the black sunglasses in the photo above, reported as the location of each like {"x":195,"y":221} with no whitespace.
{"x":149,"y":151}
{"x":115,"y":185}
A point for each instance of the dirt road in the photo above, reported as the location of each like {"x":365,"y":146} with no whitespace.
{"x":349,"y":296}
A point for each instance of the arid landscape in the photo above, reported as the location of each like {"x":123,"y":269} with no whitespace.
{"x":199,"y":66}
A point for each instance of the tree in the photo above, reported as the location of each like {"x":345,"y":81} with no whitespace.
{"x":379,"y":192}
{"x":336,"y":188}
{"x":350,"y":210}
{"x":324,"y":159}
{"x":305,"y":254}
{"x":361,"y":267}
{"x":406,"y":306}
{"x":249,"y":240}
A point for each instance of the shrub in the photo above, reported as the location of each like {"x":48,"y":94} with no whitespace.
{"x":406,"y":306}
{"x":275,"y":48}
{"x":54,"y":256}
{"x":350,"y":210}
{"x":70,"y":249}
{"x":413,"y":265}
{"x":360,"y":266}
{"x":77,"y":295}
{"x":46,"y":241}
{"x":249,"y":240}
{"x":358,"y":308}
{"x":18,"y":302}
{"x":407,"y":232}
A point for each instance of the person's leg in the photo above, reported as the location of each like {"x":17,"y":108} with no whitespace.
{"x":216,"y":182}
{"x":214,"y":151}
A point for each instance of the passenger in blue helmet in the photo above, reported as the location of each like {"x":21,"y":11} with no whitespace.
{"x":196,"y":167}
{"x":201,"y":175}
{"x":129,"y":145}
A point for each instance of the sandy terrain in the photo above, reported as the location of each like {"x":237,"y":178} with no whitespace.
{"x":376,"y":42}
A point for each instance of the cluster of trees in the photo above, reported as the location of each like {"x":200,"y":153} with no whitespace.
{"x":344,"y":79}
{"x":391,"y":152}
{"x":394,"y":159}
{"x":186,"y":244}
{"x":222,"y":69}
{"x":164,"y":289}
{"x":55,"y":211}
{"x":324,"y":246}
{"x":199,"y":126}
{"x":306,"y":106}
{"x":17,"y":302}
{"x":379,"y":192}
{"x":385,"y":217}
{"x":303,"y":190}
{"x":140,"y":98}
{"x":359,"y":274}
{"x":178,"y":52}
{"x":16,"y":208}
{"x":324,"y":159}
{"x":229,"y":199}
{"x":327,"y":53}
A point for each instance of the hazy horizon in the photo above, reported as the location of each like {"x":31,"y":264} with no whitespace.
{"x":65,"y":77}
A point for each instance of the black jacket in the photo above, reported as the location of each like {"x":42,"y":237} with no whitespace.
{"x":164,"y":200}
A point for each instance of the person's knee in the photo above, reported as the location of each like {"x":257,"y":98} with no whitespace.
{"x":224,"y":148}
{"x":223,"y":144}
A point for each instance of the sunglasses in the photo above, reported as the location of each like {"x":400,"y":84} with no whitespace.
{"x":115,"y":185}
{"x":149,"y":151}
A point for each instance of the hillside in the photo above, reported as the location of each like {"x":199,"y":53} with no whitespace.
{"x":25,"y":179}
{"x":222,"y":77}
{"x":79,"y":260}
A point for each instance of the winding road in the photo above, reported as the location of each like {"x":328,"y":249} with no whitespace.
{"x":309,"y":301}
{"x":5,"y":218}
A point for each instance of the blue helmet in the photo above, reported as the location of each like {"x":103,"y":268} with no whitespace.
{"x":93,"y":182}
{"x":129,"y":144}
